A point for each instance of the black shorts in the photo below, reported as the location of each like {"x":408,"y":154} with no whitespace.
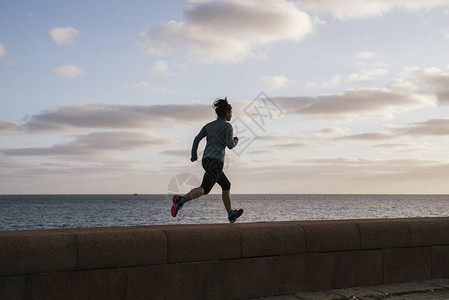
{"x":214,"y":174}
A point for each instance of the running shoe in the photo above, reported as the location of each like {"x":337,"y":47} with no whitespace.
{"x":235,"y":215}
{"x":177,"y":204}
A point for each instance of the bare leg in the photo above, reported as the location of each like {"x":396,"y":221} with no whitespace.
{"x":226,"y":195}
{"x":195,"y":193}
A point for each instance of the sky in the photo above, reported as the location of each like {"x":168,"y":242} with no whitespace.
{"x":106,"y":97}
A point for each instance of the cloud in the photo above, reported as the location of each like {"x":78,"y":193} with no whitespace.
{"x":429,"y":128}
{"x":371,"y":136}
{"x":3,"y":51}
{"x":75,"y":117}
{"x":160,"y":67}
{"x":64,"y":35}
{"x":366,"y":55}
{"x":433,"y":80}
{"x":275,"y":82}
{"x":7,"y":127}
{"x":432,"y":127}
{"x":398,"y":95}
{"x":346,"y":175}
{"x":96,"y":143}
{"x":229,"y":31}
{"x":353,"y":9}
{"x":146,"y":85}
{"x":365,"y":75}
{"x":68,"y":71}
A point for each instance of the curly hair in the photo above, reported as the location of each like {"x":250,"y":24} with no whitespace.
{"x":222,"y":107}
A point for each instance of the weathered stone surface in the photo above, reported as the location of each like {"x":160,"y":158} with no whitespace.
{"x":199,"y":243}
{"x":356,"y":268}
{"x":385,"y":233}
{"x":326,"y":236}
{"x":262,"y":239}
{"x":36,"y":251}
{"x":116,"y":248}
{"x":12,"y":288}
{"x":75,"y":285}
{"x":407,"y":264}
{"x":237,"y":279}
{"x":440,"y":261}
{"x":167,"y":281}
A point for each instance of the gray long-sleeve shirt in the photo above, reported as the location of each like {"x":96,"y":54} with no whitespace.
{"x":219,"y":134}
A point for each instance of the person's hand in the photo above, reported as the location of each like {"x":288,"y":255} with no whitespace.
{"x":192,"y":159}
{"x":236,"y":140}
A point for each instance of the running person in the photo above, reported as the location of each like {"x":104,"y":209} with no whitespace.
{"x":219,"y":134}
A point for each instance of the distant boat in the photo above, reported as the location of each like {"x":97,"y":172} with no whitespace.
{"x":135,"y":194}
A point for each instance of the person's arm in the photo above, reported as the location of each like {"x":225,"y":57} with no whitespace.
{"x":196,"y":141}
{"x":231,"y":140}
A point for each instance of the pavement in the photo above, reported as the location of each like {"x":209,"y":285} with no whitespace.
{"x":422,"y":290}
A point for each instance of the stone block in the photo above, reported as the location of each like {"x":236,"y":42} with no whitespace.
{"x":116,"y":248}
{"x":440,"y":261}
{"x":167,"y":281}
{"x":190,"y":243}
{"x":325,"y":236}
{"x":407,"y":264}
{"x":93,"y":284}
{"x":384,"y":234}
{"x":36,"y":251}
{"x":318,"y":271}
{"x":262,"y":239}
{"x":356,"y":268}
{"x":237,"y":279}
{"x":12,"y":288}
{"x":429,"y":231}
{"x":289,"y":273}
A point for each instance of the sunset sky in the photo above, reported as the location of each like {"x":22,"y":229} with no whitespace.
{"x":329,"y":96}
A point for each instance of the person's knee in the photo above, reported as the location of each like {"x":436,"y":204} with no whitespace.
{"x":226,"y":186}
{"x":206,"y":190}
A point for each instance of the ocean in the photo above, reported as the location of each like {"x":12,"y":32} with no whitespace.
{"x":21,"y":212}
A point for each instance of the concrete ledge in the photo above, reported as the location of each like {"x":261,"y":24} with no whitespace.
{"x":220,"y":261}
{"x":325,"y":236}
{"x":262,"y":239}
{"x":431,"y":231}
{"x":198,"y":243}
{"x":378,"y":234}
{"x":116,"y":248}
{"x":36,"y":251}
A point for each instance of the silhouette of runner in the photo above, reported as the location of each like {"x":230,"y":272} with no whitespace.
{"x":219,"y":134}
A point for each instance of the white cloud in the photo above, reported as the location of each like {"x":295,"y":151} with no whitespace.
{"x":96,"y":143}
{"x":398,"y":95}
{"x":76,"y":117}
{"x":429,"y":128}
{"x":365,"y":55}
{"x":3,"y":51}
{"x":68,"y":71}
{"x":161,"y":67}
{"x":354,"y":9}
{"x":365,"y":75}
{"x":432,"y":80}
{"x":7,"y":127}
{"x":64,"y":35}
{"x":275,"y":82}
{"x":146,"y":85}
{"x":229,"y":31}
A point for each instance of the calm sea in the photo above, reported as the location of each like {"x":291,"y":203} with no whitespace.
{"x":19,"y":212}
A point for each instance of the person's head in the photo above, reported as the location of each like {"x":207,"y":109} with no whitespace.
{"x":223,"y":108}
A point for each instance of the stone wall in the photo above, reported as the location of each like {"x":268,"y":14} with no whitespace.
{"x":220,"y":261}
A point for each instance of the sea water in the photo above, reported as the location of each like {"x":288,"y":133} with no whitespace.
{"x":20,"y":212}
